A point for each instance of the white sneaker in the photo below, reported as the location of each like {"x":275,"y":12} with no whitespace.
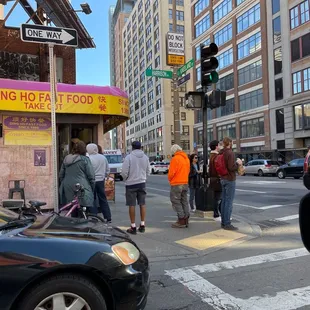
{"x":217,"y":219}
{"x":193,"y":210}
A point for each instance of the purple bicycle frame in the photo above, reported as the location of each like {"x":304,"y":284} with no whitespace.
{"x":74,"y":204}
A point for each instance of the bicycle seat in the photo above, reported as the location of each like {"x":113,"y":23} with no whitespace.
{"x":37,"y":204}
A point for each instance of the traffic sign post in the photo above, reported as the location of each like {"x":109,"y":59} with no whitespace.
{"x":187,"y":66}
{"x":51,"y":36}
{"x":159,"y":73}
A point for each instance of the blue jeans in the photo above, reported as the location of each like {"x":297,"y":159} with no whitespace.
{"x":228,"y":195}
{"x":104,"y":207}
{"x":193,"y":192}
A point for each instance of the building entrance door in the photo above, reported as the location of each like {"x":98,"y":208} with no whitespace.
{"x":68,"y":134}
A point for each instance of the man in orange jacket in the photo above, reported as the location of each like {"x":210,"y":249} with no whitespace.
{"x":178,"y":178}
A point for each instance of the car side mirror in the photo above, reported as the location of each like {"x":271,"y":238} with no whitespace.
{"x":304,"y":220}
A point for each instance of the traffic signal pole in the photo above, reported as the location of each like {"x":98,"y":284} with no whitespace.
{"x":176,"y":103}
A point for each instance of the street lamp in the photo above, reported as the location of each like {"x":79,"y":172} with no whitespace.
{"x":86,"y":8}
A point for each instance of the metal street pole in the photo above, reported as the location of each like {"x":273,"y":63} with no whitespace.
{"x":205,"y":139}
{"x":176,"y":103}
{"x":53,"y":120}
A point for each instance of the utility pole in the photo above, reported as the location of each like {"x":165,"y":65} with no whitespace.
{"x":176,"y":103}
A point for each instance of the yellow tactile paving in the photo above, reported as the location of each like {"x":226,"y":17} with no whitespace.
{"x":210,"y":239}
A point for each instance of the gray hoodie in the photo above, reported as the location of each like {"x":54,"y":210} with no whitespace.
{"x":136,"y":167}
{"x":99,"y":162}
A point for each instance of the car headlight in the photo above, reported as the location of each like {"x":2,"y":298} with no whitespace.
{"x":126,"y":252}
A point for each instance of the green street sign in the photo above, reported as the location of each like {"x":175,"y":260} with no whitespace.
{"x":187,"y":66}
{"x":158,"y":73}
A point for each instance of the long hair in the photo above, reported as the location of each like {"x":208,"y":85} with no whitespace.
{"x":191,"y":158}
{"x":226,"y":141}
{"x":100,"y":149}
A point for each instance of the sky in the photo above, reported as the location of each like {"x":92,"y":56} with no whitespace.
{"x":93,"y":65}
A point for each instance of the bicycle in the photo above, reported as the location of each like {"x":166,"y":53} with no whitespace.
{"x":35,"y":206}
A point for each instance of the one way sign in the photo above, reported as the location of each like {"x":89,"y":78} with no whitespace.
{"x":46,"y":35}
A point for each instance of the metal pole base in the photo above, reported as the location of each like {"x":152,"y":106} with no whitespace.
{"x":205,"y":199}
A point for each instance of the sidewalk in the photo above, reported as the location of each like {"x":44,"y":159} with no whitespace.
{"x":161,"y":242}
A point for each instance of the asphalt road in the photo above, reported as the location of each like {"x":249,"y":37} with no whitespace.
{"x":268,"y":271}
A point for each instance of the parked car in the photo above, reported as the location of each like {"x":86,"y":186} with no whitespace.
{"x":60,"y":263}
{"x":292,"y":169}
{"x":261,"y":167}
{"x":159,"y":167}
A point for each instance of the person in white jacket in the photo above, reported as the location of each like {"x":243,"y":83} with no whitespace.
{"x":136,"y":167}
{"x":102,"y":170}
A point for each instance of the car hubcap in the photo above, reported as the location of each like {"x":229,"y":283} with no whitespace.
{"x":280,"y":174}
{"x":63,"y":301}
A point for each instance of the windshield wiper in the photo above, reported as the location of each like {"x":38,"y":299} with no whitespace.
{"x":17,"y":223}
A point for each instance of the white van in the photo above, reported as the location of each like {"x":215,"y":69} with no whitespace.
{"x":115,"y":160}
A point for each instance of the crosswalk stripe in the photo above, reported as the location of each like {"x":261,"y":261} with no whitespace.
{"x":288,"y":218}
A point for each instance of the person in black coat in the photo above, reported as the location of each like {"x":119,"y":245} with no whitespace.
{"x":194,"y":181}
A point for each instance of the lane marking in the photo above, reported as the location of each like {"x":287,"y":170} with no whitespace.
{"x":210,"y":239}
{"x":288,"y":218}
{"x":265,"y":207}
{"x":250,"y":191}
{"x":263,"y":182}
{"x":218,"y":299}
{"x":157,"y":189}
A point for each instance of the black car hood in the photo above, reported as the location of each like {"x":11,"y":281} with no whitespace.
{"x":66,"y":227}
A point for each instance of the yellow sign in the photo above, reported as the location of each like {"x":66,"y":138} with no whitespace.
{"x":24,"y":137}
{"x":175,"y":60}
{"x":79,"y":103}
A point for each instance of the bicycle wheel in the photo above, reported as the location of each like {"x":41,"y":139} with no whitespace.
{"x":95,"y":218}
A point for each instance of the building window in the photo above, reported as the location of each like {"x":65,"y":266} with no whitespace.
{"x":297,"y":83}
{"x":275,"y":6}
{"x":226,"y":82}
{"x":248,"y":18}
{"x":198,"y":74}
{"x":226,"y":131}
{"x":223,"y":35}
{"x":250,"y":73}
{"x":276,"y":23}
{"x":222,"y":10}
{"x":185,"y":145}
{"x":158,"y":104}
{"x":277,"y":61}
{"x":207,"y":42}
{"x":157,"y":61}
{"x":185,"y":130}
{"x":249,"y":46}
{"x":225,"y":59}
{"x":180,"y":15}
{"x":200,"y":6}
{"x":279,"y":88}
{"x":183,"y":116}
{"x":251,"y":100}
{"x":158,"y":90}
{"x":300,"y":47}
{"x":280,"y":144}
{"x":252,"y":128}
{"x":202,"y":26}
{"x":179,"y":2}
{"x":228,"y":109}
{"x":280,"y":120}
{"x":240,"y":1}
{"x":302,"y":116}
{"x":299,"y":14}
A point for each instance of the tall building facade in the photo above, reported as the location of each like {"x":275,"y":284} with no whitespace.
{"x":151,"y":99}
{"x":121,"y":15}
{"x":239,"y":29}
{"x":289,"y":76}
{"x":262,"y":65}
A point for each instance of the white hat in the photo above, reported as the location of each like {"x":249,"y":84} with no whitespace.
{"x":175,"y":148}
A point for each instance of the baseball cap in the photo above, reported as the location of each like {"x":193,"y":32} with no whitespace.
{"x":136,"y":145}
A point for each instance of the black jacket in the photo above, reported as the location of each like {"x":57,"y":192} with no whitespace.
{"x":194,"y":178}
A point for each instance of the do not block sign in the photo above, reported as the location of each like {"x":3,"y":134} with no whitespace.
{"x":175,"y":49}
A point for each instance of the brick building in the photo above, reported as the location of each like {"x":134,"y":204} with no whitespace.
{"x":24,"y":68}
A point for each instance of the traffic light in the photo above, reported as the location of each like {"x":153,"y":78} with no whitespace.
{"x":208,"y":64}
{"x":215,"y":99}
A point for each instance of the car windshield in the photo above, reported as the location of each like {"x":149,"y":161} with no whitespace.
{"x":114,"y":159}
{"x":273,"y":163}
{"x":6,"y":216}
